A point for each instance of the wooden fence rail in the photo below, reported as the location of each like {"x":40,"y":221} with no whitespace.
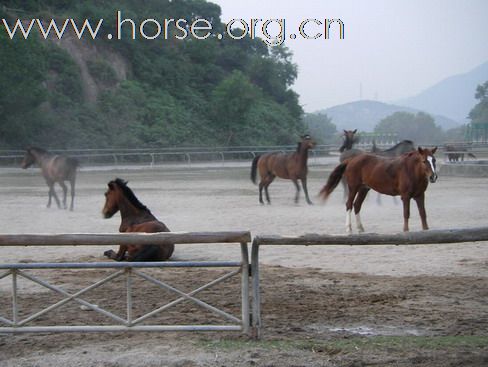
{"x":430,"y":237}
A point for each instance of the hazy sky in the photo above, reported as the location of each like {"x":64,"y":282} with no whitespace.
{"x":392,"y":48}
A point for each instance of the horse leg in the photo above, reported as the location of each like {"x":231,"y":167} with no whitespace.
{"x":52,"y":193}
{"x":406,"y":212}
{"x":117,"y":256}
{"x":420,"y":200}
{"x":268,"y":181}
{"x":346,"y":190}
{"x":297,"y":187}
{"x":305,"y":190}
{"x":357,"y":207}
{"x":65,"y":191}
{"x":349,"y":202}
{"x":72,"y":184}
{"x":267,"y":193}
{"x":263,"y":184}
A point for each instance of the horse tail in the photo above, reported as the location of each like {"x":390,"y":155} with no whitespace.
{"x":254,"y":168}
{"x":333,"y":180}
{"x":471,"y":155}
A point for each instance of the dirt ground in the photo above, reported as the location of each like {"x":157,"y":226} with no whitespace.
{"x":322,"y":306}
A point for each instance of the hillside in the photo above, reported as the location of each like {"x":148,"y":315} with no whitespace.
{"x":127,"y":93}
{"x":365,"y":115}
{"x":452,"y":97}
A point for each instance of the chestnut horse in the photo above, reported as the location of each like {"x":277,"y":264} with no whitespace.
{"x":135,"y":218}
{"x":55,"y":168}
{"x":407,"y":176}
{"x":292,"y":166}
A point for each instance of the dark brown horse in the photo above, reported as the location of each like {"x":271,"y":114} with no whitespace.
{"x":349,"y":139}
{"x":135,"y":218}
{"x":291,"y":166}
{"x":407,"y":176}
{"x":456,"y":152}
{"x":55,"y":168}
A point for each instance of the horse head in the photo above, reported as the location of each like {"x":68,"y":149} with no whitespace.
{"x":350,"y":139}
{"x":429,"y":160}
{"x":112,"y":199}
{"x":29,"y":159}
{"x":307,"y":142}
{"x":120,"y":197}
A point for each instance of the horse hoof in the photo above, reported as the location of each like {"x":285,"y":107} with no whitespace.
{"x":109,"y":253}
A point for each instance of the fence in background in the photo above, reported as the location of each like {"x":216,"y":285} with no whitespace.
{"x":151,"y":157}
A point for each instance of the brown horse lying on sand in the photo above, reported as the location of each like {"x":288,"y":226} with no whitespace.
{"x":291,"y":166}
{"x":407,"y":176}
{"x":55,"y":168}
{"x":135,"y":218}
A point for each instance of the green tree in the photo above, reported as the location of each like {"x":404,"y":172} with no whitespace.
{"x":479,"y":113}
{"x":173,"y":92}
{"x":419,"y":127}
{"x":321,"y":128}
{"x":232,"y":99}
{"x":23,"y":70}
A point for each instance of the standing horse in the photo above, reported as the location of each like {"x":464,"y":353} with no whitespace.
{"x":347,"y":150}
{"x":407,"y":176}
{"x":458,"y":152}
{"x":55,"y":168}
{"x":291,"y":166}
{"x":135,"y":218}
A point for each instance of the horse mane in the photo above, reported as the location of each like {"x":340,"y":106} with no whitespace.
{"x":299,"y":146}
{"x":129,"y":194}
{"x":403,"y":142}
{"x":38,"y":150}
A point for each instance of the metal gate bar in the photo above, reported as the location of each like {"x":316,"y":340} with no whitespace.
{"x":129,"y":270}
{"x":129,"y":323}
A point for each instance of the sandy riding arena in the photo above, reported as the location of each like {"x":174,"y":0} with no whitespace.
{"x":321,"y":306}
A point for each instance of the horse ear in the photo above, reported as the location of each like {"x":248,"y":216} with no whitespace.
{"x":421,"y":151}
{"x":355,"y":131}
{"x":434,"y":150}
{"x":111,"y":185}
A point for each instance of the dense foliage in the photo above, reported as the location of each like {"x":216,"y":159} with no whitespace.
{"x":320,"y":126}
{"x":419,"y":127}
{"x":479,"y":113}
{"x":171,"y":92}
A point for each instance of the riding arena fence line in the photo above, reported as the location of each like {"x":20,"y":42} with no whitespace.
{"x":160,"y":156}
{"x":152,"y":157}
{"x":250,"y":320}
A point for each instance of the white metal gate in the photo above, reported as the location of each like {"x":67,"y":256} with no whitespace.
{"x":129,"y":271}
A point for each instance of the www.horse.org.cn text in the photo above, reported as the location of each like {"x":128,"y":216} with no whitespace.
{"x":272,"y":32}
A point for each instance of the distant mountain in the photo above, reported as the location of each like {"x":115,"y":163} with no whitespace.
{"x":365,"y":115}
{"x":452,"y":97}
